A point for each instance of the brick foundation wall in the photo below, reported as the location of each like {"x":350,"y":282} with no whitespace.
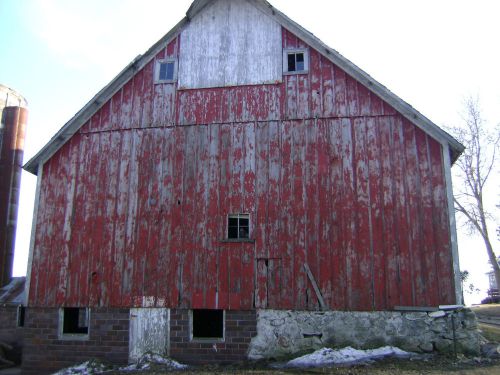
{"x":240,"y":327}
{"x":44,"y":352}
{"x":10,"y":333}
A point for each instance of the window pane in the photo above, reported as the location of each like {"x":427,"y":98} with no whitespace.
{"x":300,"y":57}
{"x":163,"y":72}
{"x":244,"y":222}
{"x":232,"y":232}
{"x":300,"y":66}
{"x":291,"y":62}
{"x":170,"y":71}
{"x":243,"y":232}
{"x":233,"y":222}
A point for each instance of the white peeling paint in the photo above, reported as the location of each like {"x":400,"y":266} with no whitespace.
{"x":149,"y":332}
{"x":231,"y":43}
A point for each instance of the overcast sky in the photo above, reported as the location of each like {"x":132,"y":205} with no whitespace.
{"x":431,"y":53}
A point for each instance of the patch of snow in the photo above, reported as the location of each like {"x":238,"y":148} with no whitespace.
{"x":85,"y":368}
{"x":348,"y":355}
{"x":149,"y":359}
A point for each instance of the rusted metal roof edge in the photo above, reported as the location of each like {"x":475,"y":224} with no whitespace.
{"x":82,"y":116}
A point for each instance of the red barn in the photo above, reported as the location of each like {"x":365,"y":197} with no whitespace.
{"x":239,"y":165}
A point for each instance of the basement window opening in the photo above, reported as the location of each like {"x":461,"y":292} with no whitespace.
{"x":207,"y":324}
{"x":296,"y":61}
{"x":238,"y":226}
{"x":165,"y":71}
{"x":75,"y":321}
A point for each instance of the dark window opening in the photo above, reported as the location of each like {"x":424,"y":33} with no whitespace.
{"x":21,"y":311}
{"x":296,"y":62}
{"x":208,"y":324}
{"x":166,"y":72}
{"x":75,"y":320}
{"x":238,"y":226}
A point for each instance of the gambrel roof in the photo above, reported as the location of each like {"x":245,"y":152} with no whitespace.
{"x":74,"y":124}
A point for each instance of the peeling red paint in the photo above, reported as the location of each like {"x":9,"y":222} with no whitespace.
{"x":136,"y":204}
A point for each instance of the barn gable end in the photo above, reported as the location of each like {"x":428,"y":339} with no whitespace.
{"x":345,"y":187}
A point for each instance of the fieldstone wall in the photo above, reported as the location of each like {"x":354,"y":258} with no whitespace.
{"x":282,"y":333}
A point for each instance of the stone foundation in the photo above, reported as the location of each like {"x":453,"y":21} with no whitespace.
{"x":283,"y":333}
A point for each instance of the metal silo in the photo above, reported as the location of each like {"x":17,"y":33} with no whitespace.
{"x":14,"y":116}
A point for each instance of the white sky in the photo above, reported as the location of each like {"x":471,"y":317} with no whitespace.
{"x":431,"y":53}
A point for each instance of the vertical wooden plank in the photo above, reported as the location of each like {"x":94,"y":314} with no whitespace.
{"x":340,"y":87}
{"x":414,"y":198}
{"x":405,"y":277}
{"x":374,"y":152}
{"x":391,"y":249}
{"x":224,"y":209}
{"x":136,"y":109}
{"x":316,"y":84}
{"x":126,"y":107}
{"x":362,"y":277}
{"x":70,"y":177}
{"x":288,"y":294}
{"x":335,"y":219}
{"x":364,"y":97}
{"x":177,"y":258}
{"x":299,"y":212}
{"x":352,"y":96}
{"x":214,"y":219}
{"x":311,"y":203}
{"x":262,"y":223}
{"x":145,"y":94}
{"x":261,"y":291}
{"x":349,"y":214}
{"x":167,"y":202}
{"x":94,"y":223}
{"x":427,"y":229}
{"x":326,"y":223}
{"x":122,"y":195}
{"x":249,"y":197}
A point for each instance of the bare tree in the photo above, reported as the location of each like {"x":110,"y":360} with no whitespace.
{"x":475,"y":167}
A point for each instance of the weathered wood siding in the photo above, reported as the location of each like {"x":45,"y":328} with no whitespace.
{"x":231,"y":43}
{"x":134,"y":207}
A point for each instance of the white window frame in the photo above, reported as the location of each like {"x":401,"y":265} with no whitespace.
{"x":238,"y":216}
{"x":73,"y":336}
{"x":288,"y":51}
{"x":157,"y":71}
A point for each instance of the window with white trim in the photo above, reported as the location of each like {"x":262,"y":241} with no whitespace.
{"x":238,"y":226}
{"x":165,"y":71}
{"x":295,"y":61}
{"x":74,"y":322}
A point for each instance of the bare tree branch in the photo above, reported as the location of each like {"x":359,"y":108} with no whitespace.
{"x":475,"y":166}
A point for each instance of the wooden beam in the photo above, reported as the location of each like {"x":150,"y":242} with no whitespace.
{"x":315,"y":286}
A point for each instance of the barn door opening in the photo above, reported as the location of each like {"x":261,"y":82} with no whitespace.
{"x":268,"y":283}
{"x":149,"y":332}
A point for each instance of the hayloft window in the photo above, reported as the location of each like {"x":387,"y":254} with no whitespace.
{"x":207,"y":324}
{"x":295,"y":61}
{"x":165,"y":71}
{"x":74,"y":321}
{"x":238,"y":226}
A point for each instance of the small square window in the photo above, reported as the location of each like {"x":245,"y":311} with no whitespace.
{"x":74,"y":321}
{"x":238,"y":226}
{"x":165,"y":71}
{"x":207,"y":324}
{"x":295,"y":61}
